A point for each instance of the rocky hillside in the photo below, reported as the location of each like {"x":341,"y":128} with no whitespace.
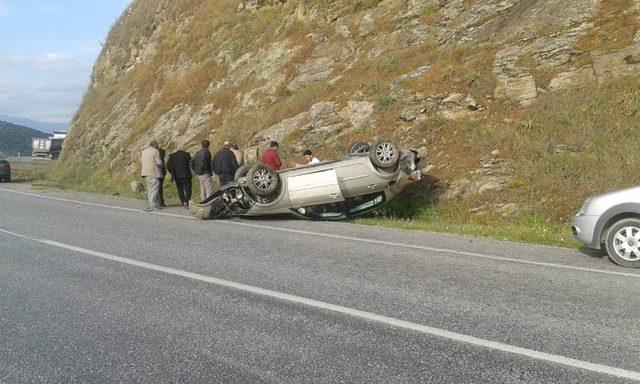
{"x":16,"y":139}
{"x":521,"y":107}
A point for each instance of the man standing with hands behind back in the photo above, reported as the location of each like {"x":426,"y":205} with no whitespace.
{"x":152,"y":173}
{"x":201,"y":165}
{"x":225,"y":164}
{"x":178,"y":166}
{"x":163,"y":154}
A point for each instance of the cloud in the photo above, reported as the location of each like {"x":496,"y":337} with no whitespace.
{"x":48,"y":64}
{"x":46,"y":87}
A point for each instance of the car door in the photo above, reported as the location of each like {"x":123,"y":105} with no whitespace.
{"x":314,"y":188}
{"x":357,"y":179}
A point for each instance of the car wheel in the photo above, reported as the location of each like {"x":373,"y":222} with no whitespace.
{"x":384,"y":154}
{"x":358,"y":148}
{"x":623,"y":243}
{"x":241,"y":172}
{"x":263,"y":181}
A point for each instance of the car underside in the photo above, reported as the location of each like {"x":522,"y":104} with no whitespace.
{"x":363,"y":181}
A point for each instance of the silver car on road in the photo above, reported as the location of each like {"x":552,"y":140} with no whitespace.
{"x":367,"y":178}
{"x":612,"y":222}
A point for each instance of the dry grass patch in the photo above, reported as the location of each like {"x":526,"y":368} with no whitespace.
{"x":364,"y":5}
{"x":430,"y":15}
{"x":461,"y":69}
{"x":615,"y":28}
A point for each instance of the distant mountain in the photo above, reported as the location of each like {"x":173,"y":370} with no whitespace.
{"x":39,"y":125}
{"x":16,"y":139}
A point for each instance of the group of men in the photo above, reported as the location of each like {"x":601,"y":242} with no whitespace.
{"x":223,"y":164}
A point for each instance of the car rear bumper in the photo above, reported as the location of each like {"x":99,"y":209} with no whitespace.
{"x":583,"y":228}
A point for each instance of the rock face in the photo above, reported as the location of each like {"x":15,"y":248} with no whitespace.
{"x":457,"y":106}
{"x":573,"y":78}
{"x":625,"y":62}
{"x":317,"y":74}
{"x":494,"y":175}
{"x":137,"y":187}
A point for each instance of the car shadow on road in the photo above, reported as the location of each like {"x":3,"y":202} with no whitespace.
{"x":274,"y":218}
{"x":173,"y":205}
{"x":594,"y":253}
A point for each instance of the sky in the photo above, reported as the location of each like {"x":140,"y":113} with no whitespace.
{"x":47,"y":52}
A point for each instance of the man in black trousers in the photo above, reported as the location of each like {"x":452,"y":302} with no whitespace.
{"x":225,"y":164}
{"x":163,"y":153}
{"x":178,"y":166}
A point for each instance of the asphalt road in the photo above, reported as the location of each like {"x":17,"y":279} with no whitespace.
{"x":92,"y":290}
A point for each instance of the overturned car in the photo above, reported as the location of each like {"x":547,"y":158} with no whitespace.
{"x":367,"y":178}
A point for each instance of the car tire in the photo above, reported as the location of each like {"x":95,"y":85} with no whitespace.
{"x":358,"y":148}
{"x":623,"y":243}
{"x":384,"y":154}
{"x":263,"y":181}
{"x":241,"y":172}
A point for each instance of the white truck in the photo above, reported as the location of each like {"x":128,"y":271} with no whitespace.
{"x":49,"y":147}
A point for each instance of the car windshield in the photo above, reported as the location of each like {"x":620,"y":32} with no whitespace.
{"x":361,"y":204}
{"x":333,"y":211}
{"x":352,"y":206}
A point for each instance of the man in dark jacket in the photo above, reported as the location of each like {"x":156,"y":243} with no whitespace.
{"x":201,"y":165}
{"x":178,"y":166}
{"x":225,"y":164}
{"x":270,"y":157}
{"x":163,"y":153}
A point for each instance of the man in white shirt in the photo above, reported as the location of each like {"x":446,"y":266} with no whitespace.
{"x":152,"y":173}
{"x":308,"y":157}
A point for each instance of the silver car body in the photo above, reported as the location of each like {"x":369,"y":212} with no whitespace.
{"x":304,"y":189}
{"x":599,"y":213}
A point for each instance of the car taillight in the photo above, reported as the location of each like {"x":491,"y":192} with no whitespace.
{"x":415,"y":176}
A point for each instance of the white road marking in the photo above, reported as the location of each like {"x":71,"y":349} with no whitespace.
{"x":390,"y":321}
{"x":439,"y":250}
{"x":349,"y":238}
{"x":94,"y":204}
